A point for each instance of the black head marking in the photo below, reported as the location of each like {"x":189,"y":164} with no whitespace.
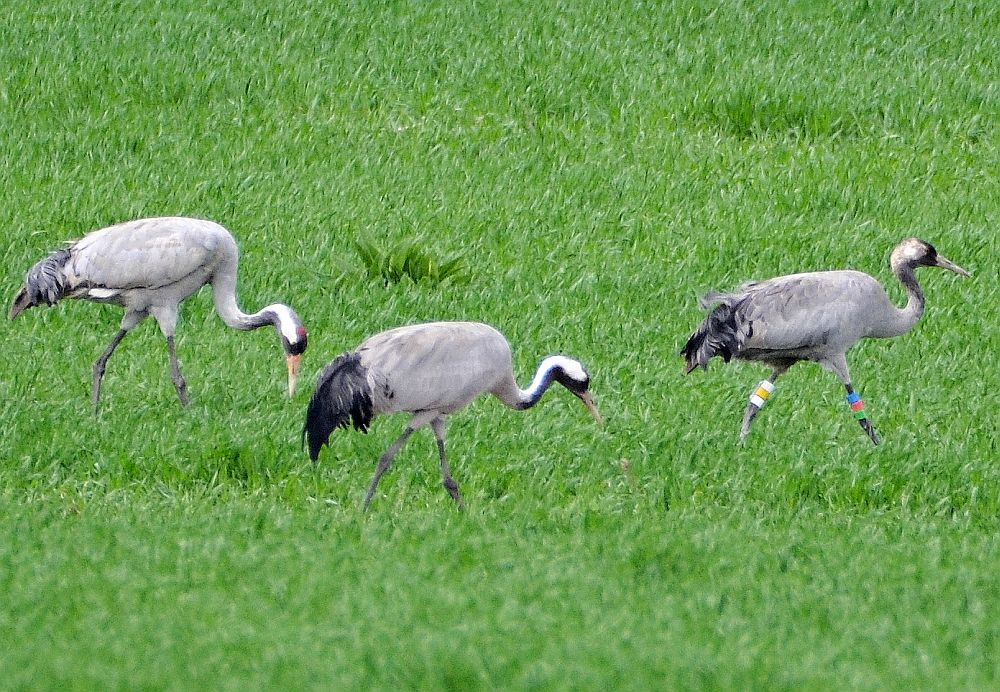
{"x":299,"y":347}
{"x":571,"y":383}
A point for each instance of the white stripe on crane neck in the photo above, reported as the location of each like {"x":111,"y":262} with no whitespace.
{"x":571,"y":367}
{"x":286,"y":321}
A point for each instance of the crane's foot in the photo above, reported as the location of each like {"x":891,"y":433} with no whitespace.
{"x":870,"y":429}
{"x":182,"y":391}
{"x":100,"y":364}
{"x":452,"y":487}
{"x":383,"y":466}
{"x":384,"y":463}
{"x":858,"y":407}
{"x":374,"y":484}
{"x":751,"y":413}
{"x":758,"y":398}
{"x":175,"y":373}
{"x":95,"y":397}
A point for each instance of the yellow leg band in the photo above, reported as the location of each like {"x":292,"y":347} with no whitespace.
{"x":762,"y":394}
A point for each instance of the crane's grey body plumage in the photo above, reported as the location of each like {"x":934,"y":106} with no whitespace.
{"x":430,"y":355}
{"x":429,"y":370}
{"x":815,"y":316}
{"x":148,"y":267}
{"x":801,"y":316}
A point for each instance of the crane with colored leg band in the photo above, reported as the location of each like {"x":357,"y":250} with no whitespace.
{"x":758,"y":398}
{"x":858,"y":406}
{"x":812,"y":316}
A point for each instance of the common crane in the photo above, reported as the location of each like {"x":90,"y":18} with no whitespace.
{"x":816,"y":316}
{"x":148,"y":267}
{"x":429,"y":370}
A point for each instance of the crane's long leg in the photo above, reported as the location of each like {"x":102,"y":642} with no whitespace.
{"x":385,"y":462}
{"x":438,"y":425}
{"x":858,"y":406}
{"x":101,"y":363}
{"x":838,"y":365}
{"x":166,"y":316}
{"x":129,"y":322}
{"x":175,"y":372}
{"x":760,"y":395}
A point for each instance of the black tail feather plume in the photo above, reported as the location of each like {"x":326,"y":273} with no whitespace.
{"x":21,"y":303}
{"x":46,"y":283}
{"x":342,"y":396}
{"x":722,"y":333}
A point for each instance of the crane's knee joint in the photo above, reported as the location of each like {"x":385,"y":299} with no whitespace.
{"x":451,"y":485}
{"x":762,"y":393}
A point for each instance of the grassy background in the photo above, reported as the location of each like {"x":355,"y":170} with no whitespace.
{"x":599,"y":166}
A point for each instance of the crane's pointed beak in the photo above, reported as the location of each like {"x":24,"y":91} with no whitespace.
{"x":588,"y":400}
{"x":294,"y":363}
{"x":946,"y":263}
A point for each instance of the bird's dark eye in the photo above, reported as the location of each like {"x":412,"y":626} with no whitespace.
{"x":298,"y":347}
{"x":930,"y":256}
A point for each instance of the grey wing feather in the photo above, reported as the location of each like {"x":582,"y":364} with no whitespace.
{"x":787,"y":313}
{"x":148,"y":254}
{"x":808,"y":310}
{"x":46,"y":281}
{"x":435,"y":366}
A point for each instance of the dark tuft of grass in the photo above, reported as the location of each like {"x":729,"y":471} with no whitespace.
{"x":409,"y":260}
{"x":754,"y":114}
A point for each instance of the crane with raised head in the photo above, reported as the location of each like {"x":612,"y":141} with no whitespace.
{"x":429,"y":370}
{"x":815,"y":316}
{"x":148,"y":267}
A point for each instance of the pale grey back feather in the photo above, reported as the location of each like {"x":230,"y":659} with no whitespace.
{"x":799,"y":316}
{"x":829,"y":309}
{"x":150,"y":254}
{"x":438,"y":366}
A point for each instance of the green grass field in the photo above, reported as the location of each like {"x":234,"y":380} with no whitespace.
{"x":597,"y":167}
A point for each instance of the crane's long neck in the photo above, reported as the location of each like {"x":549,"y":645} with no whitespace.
{"x":909,"y":314}
{"x":544,"y":377}
{"x":280,"y":316}
{"x":224,"y":295}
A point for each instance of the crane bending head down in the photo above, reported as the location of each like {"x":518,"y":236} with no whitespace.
{"x":429,"y":370}
{"x":294,"y":339}
{"x":149,"y":267}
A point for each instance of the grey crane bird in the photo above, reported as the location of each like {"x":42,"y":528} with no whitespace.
{"x":429,"y":370}
{"x":815,"y":316}
{"x":148,"y":267}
